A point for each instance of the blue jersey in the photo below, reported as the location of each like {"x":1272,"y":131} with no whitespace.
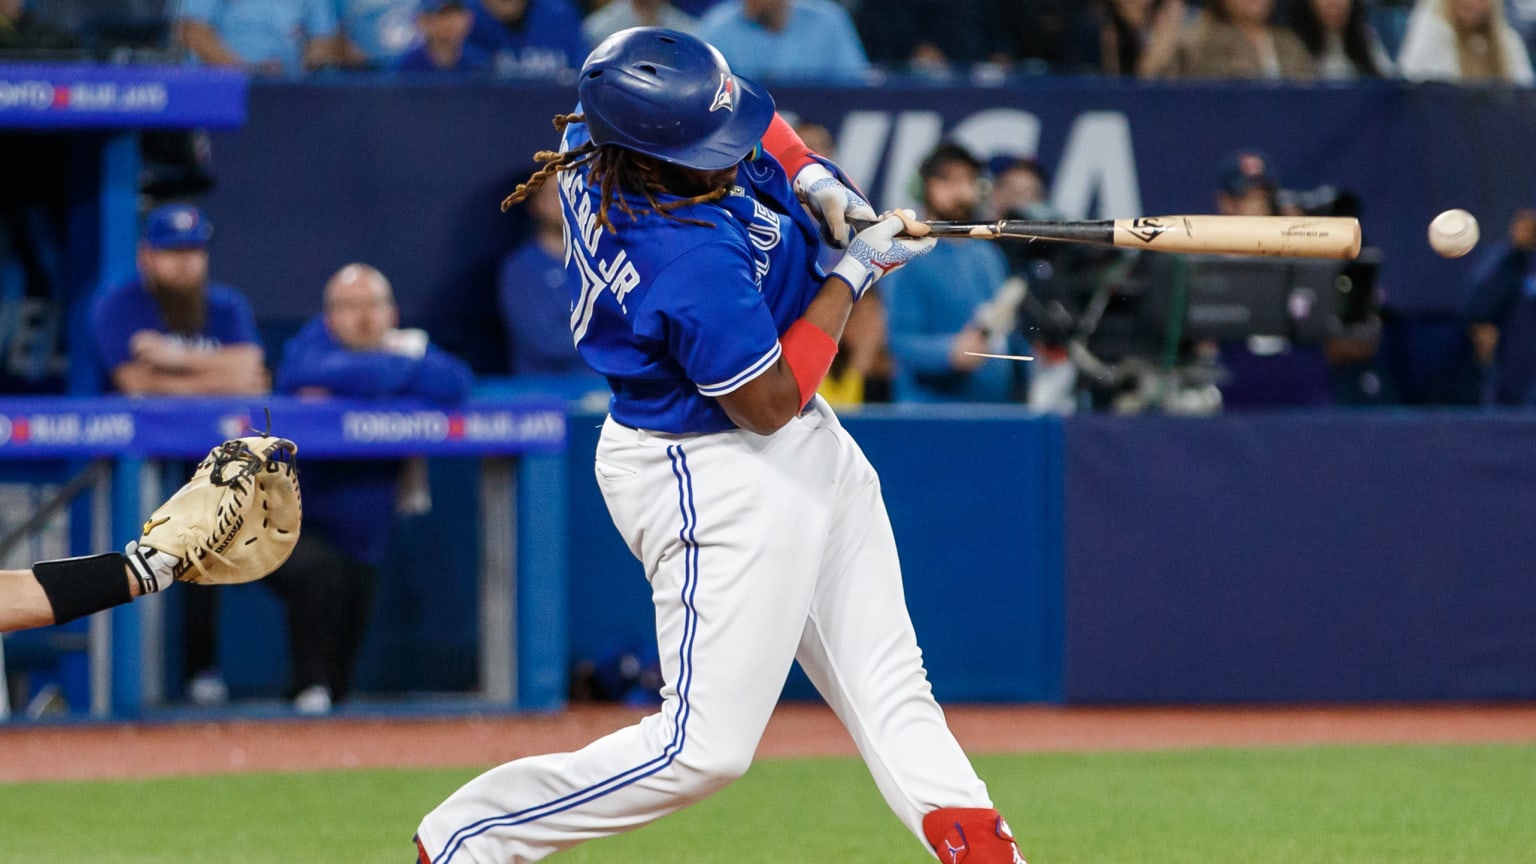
{"x":123,"y":310}
{"x":530,"y":289}
{"x":350,"y":501}
{"x":676,"y":314}
{"x":472,"y":59}
{"x":546,"y":42}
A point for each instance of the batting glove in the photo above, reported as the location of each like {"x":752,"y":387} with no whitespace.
{"x":153,"y":569}
{"x":832,"y":202}
{"x":877,"y":250}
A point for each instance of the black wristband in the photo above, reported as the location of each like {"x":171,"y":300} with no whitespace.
{"x":77,"y":587}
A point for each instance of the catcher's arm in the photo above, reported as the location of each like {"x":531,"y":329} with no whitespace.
{"x":23,"y":603}
{"x":59,"y":591}
{"x":236,"y":520}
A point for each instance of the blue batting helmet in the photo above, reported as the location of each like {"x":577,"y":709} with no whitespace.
{"x":672,"y":96}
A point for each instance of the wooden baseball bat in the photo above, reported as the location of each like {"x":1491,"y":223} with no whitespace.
{"x":1292,"y":236}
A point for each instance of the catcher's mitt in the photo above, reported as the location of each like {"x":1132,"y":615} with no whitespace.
{"x":236,"y":520}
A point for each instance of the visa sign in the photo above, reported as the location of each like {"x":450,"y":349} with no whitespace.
{"x":1095,"y":178}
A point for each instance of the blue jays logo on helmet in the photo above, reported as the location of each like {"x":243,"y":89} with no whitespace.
{"x":725,"y":95}
{"x":672,"y":96}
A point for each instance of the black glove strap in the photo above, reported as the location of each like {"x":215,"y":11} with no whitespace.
{"x":77,"y":587}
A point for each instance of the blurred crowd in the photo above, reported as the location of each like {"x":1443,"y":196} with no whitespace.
{"x":839,"y":40}
{"x":1106,"y":330}
{"x":1093,"y":328}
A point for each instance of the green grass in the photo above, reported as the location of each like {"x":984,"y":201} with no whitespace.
{"x":1392,"y":805}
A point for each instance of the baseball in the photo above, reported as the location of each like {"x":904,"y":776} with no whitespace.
{"x":1453,"y":233}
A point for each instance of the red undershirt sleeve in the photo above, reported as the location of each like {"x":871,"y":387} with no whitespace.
{"x":809,"y":351}
{"x":784,"y":143}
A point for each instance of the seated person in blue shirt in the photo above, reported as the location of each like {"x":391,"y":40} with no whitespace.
{"x":529,"y":38}
{"x":786,"y":39}
{"x":353,"y":349}
{"x":169,"y":330}
{"x":272,"y":37}
{"x":530,"y":289}
{"x":373,"y":34}
{"x":1265,"y":371}
{"x":953,"y":304}
{"x":1501,"y":304}
{"x":444,"y":27}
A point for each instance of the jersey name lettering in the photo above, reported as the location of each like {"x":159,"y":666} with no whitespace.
{"x":764,"y":232}
{"x":617,"y":275}
{"x":581,"y":204}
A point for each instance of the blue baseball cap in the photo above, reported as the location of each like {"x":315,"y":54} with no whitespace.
{"x":429,"y":7}
{"x":177,"y":226}
{"x":1244,"y":171}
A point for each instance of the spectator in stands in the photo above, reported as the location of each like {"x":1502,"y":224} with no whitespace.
{"x":1246,"y":187}
{"x":927,"y":36}
{"x":1463,"y":40}
{"x":940,"y":315}
{"x":786,"y":39}
{"x":1239,"y":39}
{"x":1340,"y":39}
{"x":1037,"y":36}
{"x":1267,"y":370}
{"x":278,"y":37}
{"x":1139,"y":38}
{"x":529,"y":38}
{"x":23,"y":35}
{"x":373,"y":34}
{"x":1021,"y":190}
{"x":1050,"y":271}
{"x":171,"y":332}
{"x":1501,"y":306}
{"x":354,"y":349}
{"x":617,"y":15}
{"x":444,"y":26}
{"x":535,"y":306}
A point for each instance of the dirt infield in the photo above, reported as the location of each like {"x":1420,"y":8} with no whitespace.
{"x":122,"y":751}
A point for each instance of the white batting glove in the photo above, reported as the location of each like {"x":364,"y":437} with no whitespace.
{"x":154,"y":570}
{"x":877,"y":250}
{"x":832,"y":202}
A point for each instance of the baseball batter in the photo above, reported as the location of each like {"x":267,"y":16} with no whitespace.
{"x":691,"y":269}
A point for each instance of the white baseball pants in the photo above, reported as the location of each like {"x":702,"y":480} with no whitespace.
{"x":759,"y":550}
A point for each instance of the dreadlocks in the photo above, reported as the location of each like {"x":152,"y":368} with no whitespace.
{"x":613,"y":169}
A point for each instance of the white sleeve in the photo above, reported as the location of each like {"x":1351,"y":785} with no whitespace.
{"x":1429,"y":49}
{"x":1517,"y":58}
